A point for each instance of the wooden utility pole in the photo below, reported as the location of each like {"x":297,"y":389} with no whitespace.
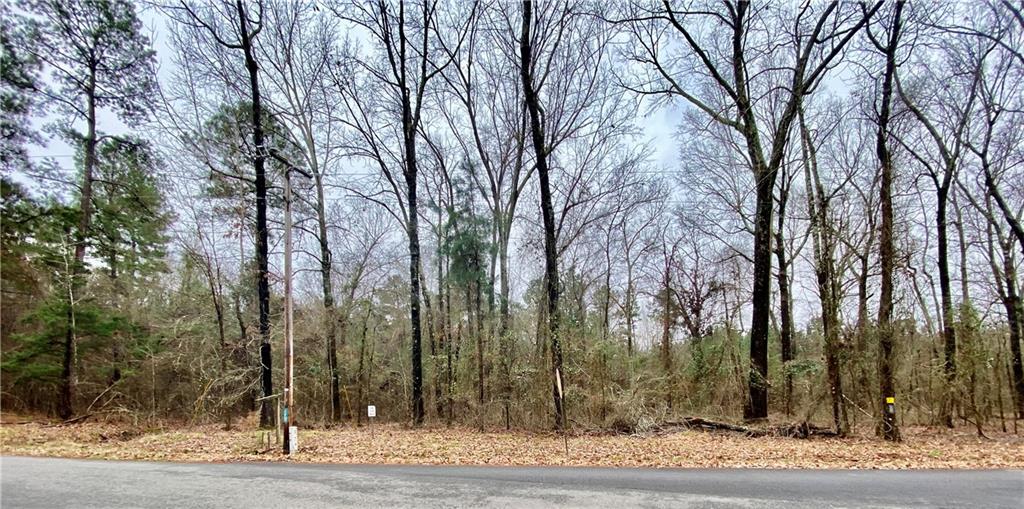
{"x":289,"y":389}
{"x":289,"y":351}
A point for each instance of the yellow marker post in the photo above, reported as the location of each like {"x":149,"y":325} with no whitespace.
{"x":890,"y":400}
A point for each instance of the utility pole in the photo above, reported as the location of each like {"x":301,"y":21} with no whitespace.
{"x":289,"y":351}
{"x":289,"y":389}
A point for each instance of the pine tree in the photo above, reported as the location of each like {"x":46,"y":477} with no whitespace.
{"x":19,"y":79}
{"x":97,"y":57}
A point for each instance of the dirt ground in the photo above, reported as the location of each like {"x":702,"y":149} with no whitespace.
{"x":395,"y":444}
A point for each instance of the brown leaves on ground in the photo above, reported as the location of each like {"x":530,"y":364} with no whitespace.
{"x":394,"y":444}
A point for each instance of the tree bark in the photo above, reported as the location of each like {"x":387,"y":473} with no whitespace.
{"x":412,"y":228}
{"x":547,"y":211}
{"x":267,"y":417}
{"x":666,"y":327}
{"x":888,"y":427}
{"x":330,"y":314}
{"x":69,"y":379}
{"x":1015,"y":322}
{"x":945,"y":290}
{"x":785,"y":302}
{"x":824,"y":242}
{"x":757,"y":404}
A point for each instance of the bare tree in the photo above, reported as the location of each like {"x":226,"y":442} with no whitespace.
{"x":945,"y":126}
{"x":639,"y":239}
{"x":995,"y":143}
{"x":298,"y":49}
{"x":405,"y":65}
{"x":887,"y":426}
{"x":488,"y":121}
{"x":824,"y":238}
{"x":815,"y":41}
{"x":528,"y":46}
{"x":235,"y":27}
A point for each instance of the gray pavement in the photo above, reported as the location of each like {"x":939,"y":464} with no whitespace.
{"x":51,"y":482}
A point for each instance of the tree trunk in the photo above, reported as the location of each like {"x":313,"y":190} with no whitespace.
{"x":1014,"y":317}
{"x":440,"y":332}
{"x":862,"y":386}
{"x":363,"y":379}
{"x":428,"y":319}
{"x":785,"y":302}
{"x":409,"y":130}
{"x":504,"y":320}
{"x":267,"y":417}
{"x":948,"y":328}
{"x":330,"y":315}
{"x":606,"y":305}
{"x":473,"y":312}
{"x":666,"y":328}
{"x":414,"y":276}
{"x":547,"y":211}
{"x":888,"y":426}
{"x":69,"y":379}
{"x":213,"y":280}
{"x":451,"y":351}
{"x":628,"y":308}
{"x":757,"y":404}
{"x":823,"y":241}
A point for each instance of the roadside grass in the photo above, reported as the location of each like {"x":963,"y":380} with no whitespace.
{"x":396,"y":444}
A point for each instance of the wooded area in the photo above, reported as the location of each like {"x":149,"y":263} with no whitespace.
{"x":561,"y":214}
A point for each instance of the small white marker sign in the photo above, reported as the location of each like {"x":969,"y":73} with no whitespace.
{"x":293,"y":439}
{"x":371,"y":411}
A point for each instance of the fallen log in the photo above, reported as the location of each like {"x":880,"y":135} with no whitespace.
{"x":706,"y":424}
{"x":795,"y":430}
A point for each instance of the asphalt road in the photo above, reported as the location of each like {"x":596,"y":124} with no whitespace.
{"x":45,"y":482}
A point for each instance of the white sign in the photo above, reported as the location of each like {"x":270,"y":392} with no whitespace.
{"x":371,"y":411}
{"x":293,"y":439}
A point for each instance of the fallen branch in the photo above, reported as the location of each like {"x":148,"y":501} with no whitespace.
{"x":705,"y":424}
{"x":796,"y":430}
{"x":74,"y":420}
